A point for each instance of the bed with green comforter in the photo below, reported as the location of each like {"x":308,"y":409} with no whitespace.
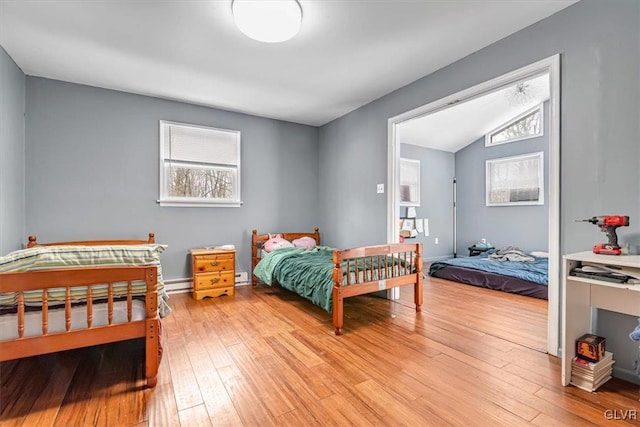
{"x":327,"y":276}
{"x":309,"y":273}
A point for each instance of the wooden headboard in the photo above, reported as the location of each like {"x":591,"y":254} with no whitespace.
{"x":151,"y":239}
{"x":257,"y":240}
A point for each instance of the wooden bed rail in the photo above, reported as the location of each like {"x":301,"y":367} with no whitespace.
{"x":63,"y":277}
{"x":152,"y":239}
{"x":87,"y":278}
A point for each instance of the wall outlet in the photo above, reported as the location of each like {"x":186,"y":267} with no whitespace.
{"x":380,"y":188}
{"x":436,"y":240}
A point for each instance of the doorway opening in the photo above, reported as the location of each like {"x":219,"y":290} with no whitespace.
{"x":520,"y":83}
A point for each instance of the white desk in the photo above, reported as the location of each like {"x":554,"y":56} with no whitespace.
{"x":580,"y":295}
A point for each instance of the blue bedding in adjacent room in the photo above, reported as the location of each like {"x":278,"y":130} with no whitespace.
{"x":536,"y":272}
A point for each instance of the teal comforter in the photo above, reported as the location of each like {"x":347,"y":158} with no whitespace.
{"x":309,"y":273}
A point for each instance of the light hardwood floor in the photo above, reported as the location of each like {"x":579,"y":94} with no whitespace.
{"x":267,"y":357}
{"x":515,"y":318}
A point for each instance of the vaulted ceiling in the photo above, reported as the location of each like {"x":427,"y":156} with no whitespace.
{"x":454,"y":128}
{"x":347,"y":54}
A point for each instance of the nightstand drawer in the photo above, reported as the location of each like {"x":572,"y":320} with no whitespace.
{"x":214,"y":263}
{"x":214,"y":280}
{"x":215,"y":292}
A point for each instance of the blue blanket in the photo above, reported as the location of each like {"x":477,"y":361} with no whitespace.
{"x":537,"y":271}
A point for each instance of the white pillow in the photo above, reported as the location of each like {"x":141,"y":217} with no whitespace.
{"x":540,"y":254}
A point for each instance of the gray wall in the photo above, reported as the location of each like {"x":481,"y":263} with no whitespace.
{"x":436,"y":198}
{"x":523,"y":226}
{"x":12,"y":157}
{"x":92,"y":162}
{"x":599,"y":46}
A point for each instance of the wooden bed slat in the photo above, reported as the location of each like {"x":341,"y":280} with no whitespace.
{"x":67,"y":309}
{"x":45,"y":312}
{"x":110,"y":304}
{"x":129,"y":301}
{"x":89,"y":306}
{"x":20,"y":314}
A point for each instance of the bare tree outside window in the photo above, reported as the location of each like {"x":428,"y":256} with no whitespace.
{"x":527,"y":125}
{"x":200,"y":183}
{"x":517,"y":180}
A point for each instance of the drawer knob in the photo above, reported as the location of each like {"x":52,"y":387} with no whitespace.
{"x":215,"y":280}
{"x":214,"y":263}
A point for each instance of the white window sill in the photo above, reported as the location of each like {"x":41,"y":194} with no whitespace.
{"x":198,"y":204}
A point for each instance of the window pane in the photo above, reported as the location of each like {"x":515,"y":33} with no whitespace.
{"x":409,"y":184}
{"x":201,"y":182}
{"x":515,"y":180}
{"x":529,"y":125}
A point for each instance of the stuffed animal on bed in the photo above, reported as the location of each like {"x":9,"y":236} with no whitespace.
{"x":304,"y":243}
{"x":276,"y":242}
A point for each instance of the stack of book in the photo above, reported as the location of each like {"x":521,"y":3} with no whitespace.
{"x":591,"y":375}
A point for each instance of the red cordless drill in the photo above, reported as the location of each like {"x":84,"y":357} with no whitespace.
{"x":608,"y":224}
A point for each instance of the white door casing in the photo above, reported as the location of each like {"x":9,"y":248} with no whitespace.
{"x":550,"y":65}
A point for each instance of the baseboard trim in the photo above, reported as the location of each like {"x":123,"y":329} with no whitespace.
{"x":185,"y":285}
{"x":626,"y":374}
{"x":436,"y":258}
{"x":178,"y":286}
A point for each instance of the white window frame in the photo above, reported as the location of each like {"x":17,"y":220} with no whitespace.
{"x":405,"y":164}
{"x":166,"y":200}
{"x":488,"y":137}
{"x":514,"y":159}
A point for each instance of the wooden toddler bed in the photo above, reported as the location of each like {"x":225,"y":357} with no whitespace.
{"x":326,"y":276}
{"x":53,"y":308}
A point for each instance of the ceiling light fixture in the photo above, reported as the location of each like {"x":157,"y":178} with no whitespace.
{"x":521,"y":93}
{"x":269,"y":21}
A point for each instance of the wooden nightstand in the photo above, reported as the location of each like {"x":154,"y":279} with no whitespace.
{"x":213,"y":272}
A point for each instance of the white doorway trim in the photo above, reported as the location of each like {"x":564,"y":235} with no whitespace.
{"x":549,"y":65}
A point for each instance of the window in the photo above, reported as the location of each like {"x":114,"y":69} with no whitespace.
{"x":199,"y":166}
{"x":526,"y":125}
{"x":515,"y":180}
{"x":409,"y":182}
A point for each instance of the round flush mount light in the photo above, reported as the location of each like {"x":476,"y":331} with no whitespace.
{"x":269,"y":21}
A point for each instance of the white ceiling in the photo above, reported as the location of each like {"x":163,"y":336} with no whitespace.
{"x":456,"y":127}
{"x":347,"y":54}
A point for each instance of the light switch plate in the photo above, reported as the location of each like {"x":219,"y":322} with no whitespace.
{"x":380,"y":188}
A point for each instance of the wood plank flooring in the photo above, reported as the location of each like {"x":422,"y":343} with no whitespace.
{"x":515,"y":318}
{"x":267,"y":357}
